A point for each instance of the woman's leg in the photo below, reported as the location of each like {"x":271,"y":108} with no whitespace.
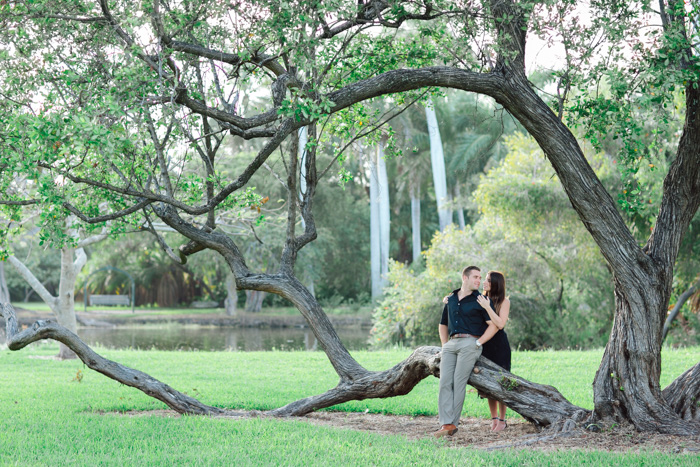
{"x":501,"y":422}
{"x":493,"y":407}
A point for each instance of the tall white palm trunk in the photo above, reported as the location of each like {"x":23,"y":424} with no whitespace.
{"x":437,"y":159}
{"x":460,"y":210}
{"x":4,"y":291}
{"x":384,"y":212}
{"x":415,"y":222}
{"x":379,"y":221}
{"x":303,"y":139}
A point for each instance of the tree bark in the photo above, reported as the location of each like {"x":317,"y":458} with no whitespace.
{"x":303,"y":141}
{"x":683,"y":394}
{"x":65,"y":311}
{"x":63,"y":305}
{"x":626,"y":386}
{"x":539,"y":404}
{"x":231,"y":302}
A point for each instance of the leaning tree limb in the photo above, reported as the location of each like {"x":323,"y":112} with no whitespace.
{"x":48,"y":329}
{"x":683,"y":394}
{"x":539,"y":404}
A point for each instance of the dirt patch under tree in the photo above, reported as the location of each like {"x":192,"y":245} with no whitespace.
{"x":474,"y":432}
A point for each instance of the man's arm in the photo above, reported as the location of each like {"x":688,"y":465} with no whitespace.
{"x":488,"y":334}
{"x":442,"y":330}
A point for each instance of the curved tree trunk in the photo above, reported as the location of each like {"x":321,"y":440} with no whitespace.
{"x":626,"y":385}
{"x":231,"y":302}
{"x":65,"y":311}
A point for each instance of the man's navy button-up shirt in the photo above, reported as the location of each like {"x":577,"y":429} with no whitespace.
{"x":464,"y":316}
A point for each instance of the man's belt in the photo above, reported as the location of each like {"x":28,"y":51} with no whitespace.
{"x":454,"y":336}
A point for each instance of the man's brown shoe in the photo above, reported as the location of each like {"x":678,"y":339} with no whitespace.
{"x":445,"y":430}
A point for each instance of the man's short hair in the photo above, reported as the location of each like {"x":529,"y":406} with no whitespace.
{"x":466,"y":271}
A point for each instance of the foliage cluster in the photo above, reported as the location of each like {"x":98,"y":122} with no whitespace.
{"x":560,"y":290}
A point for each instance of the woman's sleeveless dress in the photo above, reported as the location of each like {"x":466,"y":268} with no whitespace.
{"x":497,"y":349}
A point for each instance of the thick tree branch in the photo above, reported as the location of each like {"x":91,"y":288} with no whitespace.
{"x":26,"y":202}
{"x":242,"y":123}
{"x":33,"y":282}
{"x":587,"y":195}
{"x":290,"y":288}
{"x":289,"y":253}
{"x":681,"y":189}
{"x":539,"y":404}
{"x":107,"y":217}
{"x":17,"y":340}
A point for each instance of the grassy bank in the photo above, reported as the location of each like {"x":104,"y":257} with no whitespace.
{"x":47,"y":417}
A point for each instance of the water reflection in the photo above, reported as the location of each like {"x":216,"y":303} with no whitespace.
{"x":190,"y":338}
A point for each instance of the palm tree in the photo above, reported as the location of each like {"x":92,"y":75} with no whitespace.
{"x":437,"y":159}
{"x":379,"y":220}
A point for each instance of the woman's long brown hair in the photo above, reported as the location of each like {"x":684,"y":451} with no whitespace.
{"x":497,"y":292}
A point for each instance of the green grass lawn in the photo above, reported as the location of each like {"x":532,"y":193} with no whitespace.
{"x":46,"y":417}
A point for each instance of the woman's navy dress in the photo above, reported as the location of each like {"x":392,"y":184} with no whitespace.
{"x":497,"y":349}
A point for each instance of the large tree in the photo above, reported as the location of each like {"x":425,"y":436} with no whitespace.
{"x":98,"y":98}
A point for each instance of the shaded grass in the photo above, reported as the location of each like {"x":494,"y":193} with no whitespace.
{"x":46,"y":417}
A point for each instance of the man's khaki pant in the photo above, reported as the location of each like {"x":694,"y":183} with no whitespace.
{"x":457,"y":362}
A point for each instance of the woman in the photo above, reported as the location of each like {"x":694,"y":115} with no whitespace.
{"x":497,"y":349}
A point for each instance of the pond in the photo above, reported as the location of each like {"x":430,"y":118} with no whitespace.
{"x":192,"y":338}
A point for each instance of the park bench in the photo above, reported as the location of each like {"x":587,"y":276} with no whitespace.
{"x":204,"y":304}
{"x":110,"y":300}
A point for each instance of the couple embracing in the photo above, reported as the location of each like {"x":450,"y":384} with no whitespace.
{"x":471,"y":326}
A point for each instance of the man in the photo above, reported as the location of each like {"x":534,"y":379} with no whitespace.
{"x":464,"y":328}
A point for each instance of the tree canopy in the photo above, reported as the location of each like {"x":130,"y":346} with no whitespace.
{"x":116,"y":111}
